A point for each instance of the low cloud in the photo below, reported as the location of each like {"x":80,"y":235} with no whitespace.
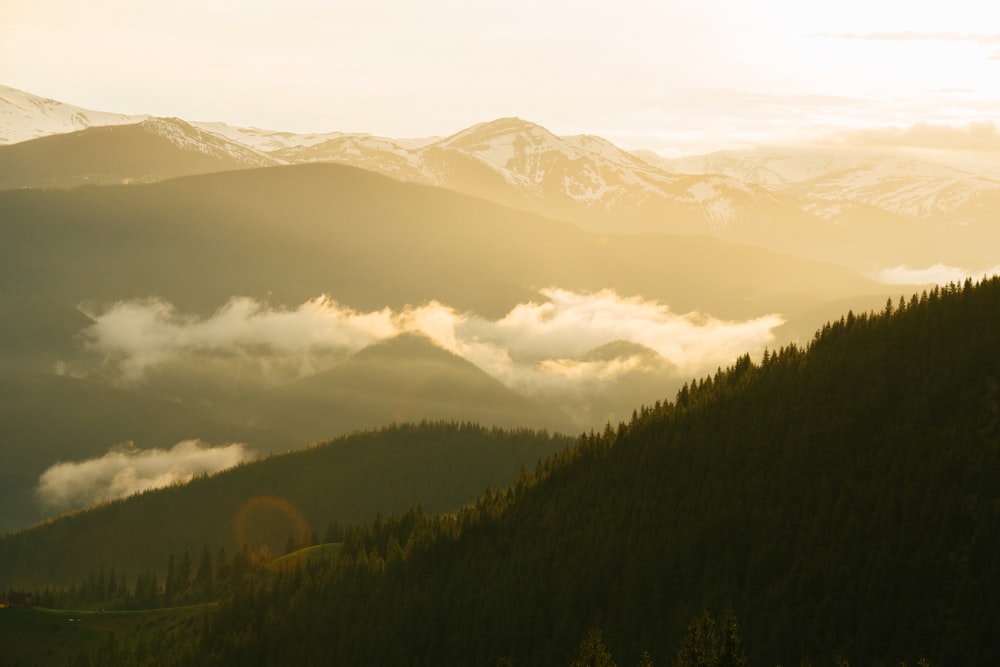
{"x":540,"y":344}
{"x":981,"y":136}
{"x":938,"y":274}
{"x":536,"y":348}
{"x":125,"y":469}
{"x":138,"y":335}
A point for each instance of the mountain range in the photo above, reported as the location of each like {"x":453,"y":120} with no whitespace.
{"x":867,"y":209}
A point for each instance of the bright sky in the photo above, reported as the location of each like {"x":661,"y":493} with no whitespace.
{"x":676,"y":76}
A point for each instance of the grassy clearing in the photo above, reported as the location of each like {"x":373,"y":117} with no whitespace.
{"x":289,"y":561}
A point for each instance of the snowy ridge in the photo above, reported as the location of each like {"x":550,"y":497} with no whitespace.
{"x":361,"y":150}
{"x":188,"y":137}
{"x":271,"y":141}
{"x":587,"y":169}
{"x":265,"y":141}
{"x":903,"y":187}
{"x":24,"y":116}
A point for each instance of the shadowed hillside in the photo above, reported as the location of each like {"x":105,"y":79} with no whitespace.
{"x":440,"y":466}
{"x":152,"y":150}
{"x":842,"y":500}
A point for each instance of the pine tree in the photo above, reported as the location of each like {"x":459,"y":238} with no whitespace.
{"x":731,"y":653}
{"x":204,"y":578}
{"x":700,"y":646}
{"x":593,"y":652}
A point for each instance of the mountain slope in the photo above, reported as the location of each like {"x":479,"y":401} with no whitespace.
{"x":405,"y":378}
{"x":902,"y":187}
{"x":154,"y":149}
{"x":346,"y":480}
{"x":24,"y":116}
{"x":880,"y":209}
{"x":309,"y":230}
{"x":842,"y":500}
{"x":47,"y":418}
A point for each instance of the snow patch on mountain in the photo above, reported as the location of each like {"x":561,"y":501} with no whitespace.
{"x":588,"y":169}
{"x":903,"y":187}
{"x":266,"y":141}
{"x":24,"y":116}
{"x":190,"y":138}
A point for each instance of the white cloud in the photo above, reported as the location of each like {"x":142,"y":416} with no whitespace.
{"x":536,"y":348}
{"x":939,"y":274}
{"x":126,"y":469}
{"x":145,"y":334}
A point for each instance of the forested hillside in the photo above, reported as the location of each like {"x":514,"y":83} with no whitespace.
{"x":260,"y":505}
{"x":842,"y":500}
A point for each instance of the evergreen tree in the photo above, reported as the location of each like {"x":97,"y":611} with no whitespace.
{"x":700,"y":646}
{"x":593,"y":652}
{"x":204,"y":578}
{"x":731,"y":652}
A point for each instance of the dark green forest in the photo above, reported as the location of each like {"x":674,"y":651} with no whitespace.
{"x":440,"y":466}
{"x":839,"y":502}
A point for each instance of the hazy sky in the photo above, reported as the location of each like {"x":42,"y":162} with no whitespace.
{"x":673,"y":76}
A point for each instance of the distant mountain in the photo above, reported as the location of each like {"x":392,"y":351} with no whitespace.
{"x":271,"y":141}
{"x":769,"y":166}
{"x":582,"y":178}
{"x":25,"y":116}
{"x":151,"y":150}
{"x":881,"y":209}
{"x":902,"y":187}
{"x":316,"y":228}
{"x":406,"y":378}
{"x":514,"y":162}
{"x":834,"y":204}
